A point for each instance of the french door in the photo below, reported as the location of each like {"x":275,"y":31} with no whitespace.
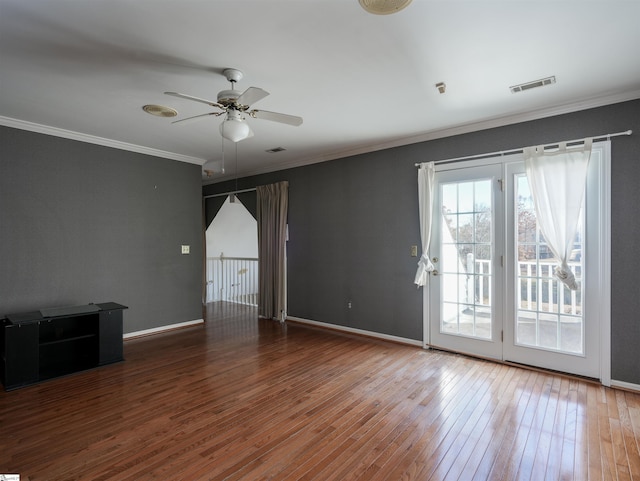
{"x":466,"y":244}
{"x":493,"y":293}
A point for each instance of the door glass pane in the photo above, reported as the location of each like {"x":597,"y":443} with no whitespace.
{"x":466,"y":277}
{"x":465,"y":197}
{"x":549,"y":315}
{"x":482,"y":199}
{"x":465,"y":228}
{"x":449,"y":198}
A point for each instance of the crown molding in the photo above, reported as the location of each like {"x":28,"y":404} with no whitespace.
{"x":490,"y":123}
{"x":486,"y":124}
{"x":92,"y":139}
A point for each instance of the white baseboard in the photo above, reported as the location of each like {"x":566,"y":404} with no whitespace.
{"x":377,"y":335}
{"x":156,"y":330}
{"x":627,"y":386}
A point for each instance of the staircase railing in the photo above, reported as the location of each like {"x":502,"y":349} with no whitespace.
{"x":232,"y":279}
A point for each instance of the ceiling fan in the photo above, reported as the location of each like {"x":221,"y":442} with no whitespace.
{"x":235,"y":104}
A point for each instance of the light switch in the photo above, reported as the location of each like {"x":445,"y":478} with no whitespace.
{"x":185,"y":249}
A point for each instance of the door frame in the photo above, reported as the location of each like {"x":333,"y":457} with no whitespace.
{"x":604,"y":282}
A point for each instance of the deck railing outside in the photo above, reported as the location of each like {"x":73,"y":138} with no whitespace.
{"x":538,"y":288}
{"x":232,"y":279}
{"x":235,"y":279}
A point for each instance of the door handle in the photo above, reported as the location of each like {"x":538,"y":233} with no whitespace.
{"x":434,"y":272}
{"x":434,"y":260}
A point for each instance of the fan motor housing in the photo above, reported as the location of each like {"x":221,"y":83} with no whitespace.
{"x":227,"y":97}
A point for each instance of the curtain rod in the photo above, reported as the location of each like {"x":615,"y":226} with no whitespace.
{"x":597,"y":138}
{"x":229,"y":193}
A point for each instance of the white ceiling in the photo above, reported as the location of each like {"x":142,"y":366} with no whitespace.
{"x":84,"y":69}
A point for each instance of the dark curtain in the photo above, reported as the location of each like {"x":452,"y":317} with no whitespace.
{"x":272,"y":206}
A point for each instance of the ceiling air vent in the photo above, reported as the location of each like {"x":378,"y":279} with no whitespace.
{"x":276,"y":150}
{"x":532,"y":85}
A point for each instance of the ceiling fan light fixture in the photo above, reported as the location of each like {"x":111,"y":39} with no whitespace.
{"x":234,"y":128}
{"x":235,"y":104}
{"x":384,"y":7}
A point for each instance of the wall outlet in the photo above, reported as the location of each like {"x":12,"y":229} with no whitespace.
{"x":414,"y":251}
{"x":185,"y":249}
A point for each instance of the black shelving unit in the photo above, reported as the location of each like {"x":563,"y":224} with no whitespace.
{"x":50,"y":343}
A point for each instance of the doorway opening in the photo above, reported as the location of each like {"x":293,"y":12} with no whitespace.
{"x":232,"y":255}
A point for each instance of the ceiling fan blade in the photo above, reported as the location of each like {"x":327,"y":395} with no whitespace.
{"x":197,"y":117}
{"x":197,"y":99}
{"x":276,"y":117}
{"x":251,"y":96}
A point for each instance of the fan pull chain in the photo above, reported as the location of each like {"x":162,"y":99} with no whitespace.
{"x":236,"y":166}
{"x":222,"y":155}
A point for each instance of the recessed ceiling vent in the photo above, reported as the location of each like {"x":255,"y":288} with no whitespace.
{"x":275,"y":150}
{"x":532,"y":85}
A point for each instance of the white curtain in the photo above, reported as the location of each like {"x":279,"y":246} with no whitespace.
{"x":426,"y":180}
{"x":557,"y":180}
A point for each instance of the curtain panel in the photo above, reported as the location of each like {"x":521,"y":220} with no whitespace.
{"x":557,"y":180}
{"x":272,"y":207}
{"x":426,"y":177}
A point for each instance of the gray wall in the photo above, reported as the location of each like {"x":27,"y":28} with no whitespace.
{"x":83,"y":223}
{"x":352,"y":220}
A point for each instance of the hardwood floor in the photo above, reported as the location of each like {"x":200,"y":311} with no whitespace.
{"x":248,"y":399}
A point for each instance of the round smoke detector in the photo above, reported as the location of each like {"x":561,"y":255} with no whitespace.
{"x":384,"y":7}
{"x":159,"y":110}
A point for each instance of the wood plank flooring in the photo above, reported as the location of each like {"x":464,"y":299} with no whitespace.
{"x":249,"y":399}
